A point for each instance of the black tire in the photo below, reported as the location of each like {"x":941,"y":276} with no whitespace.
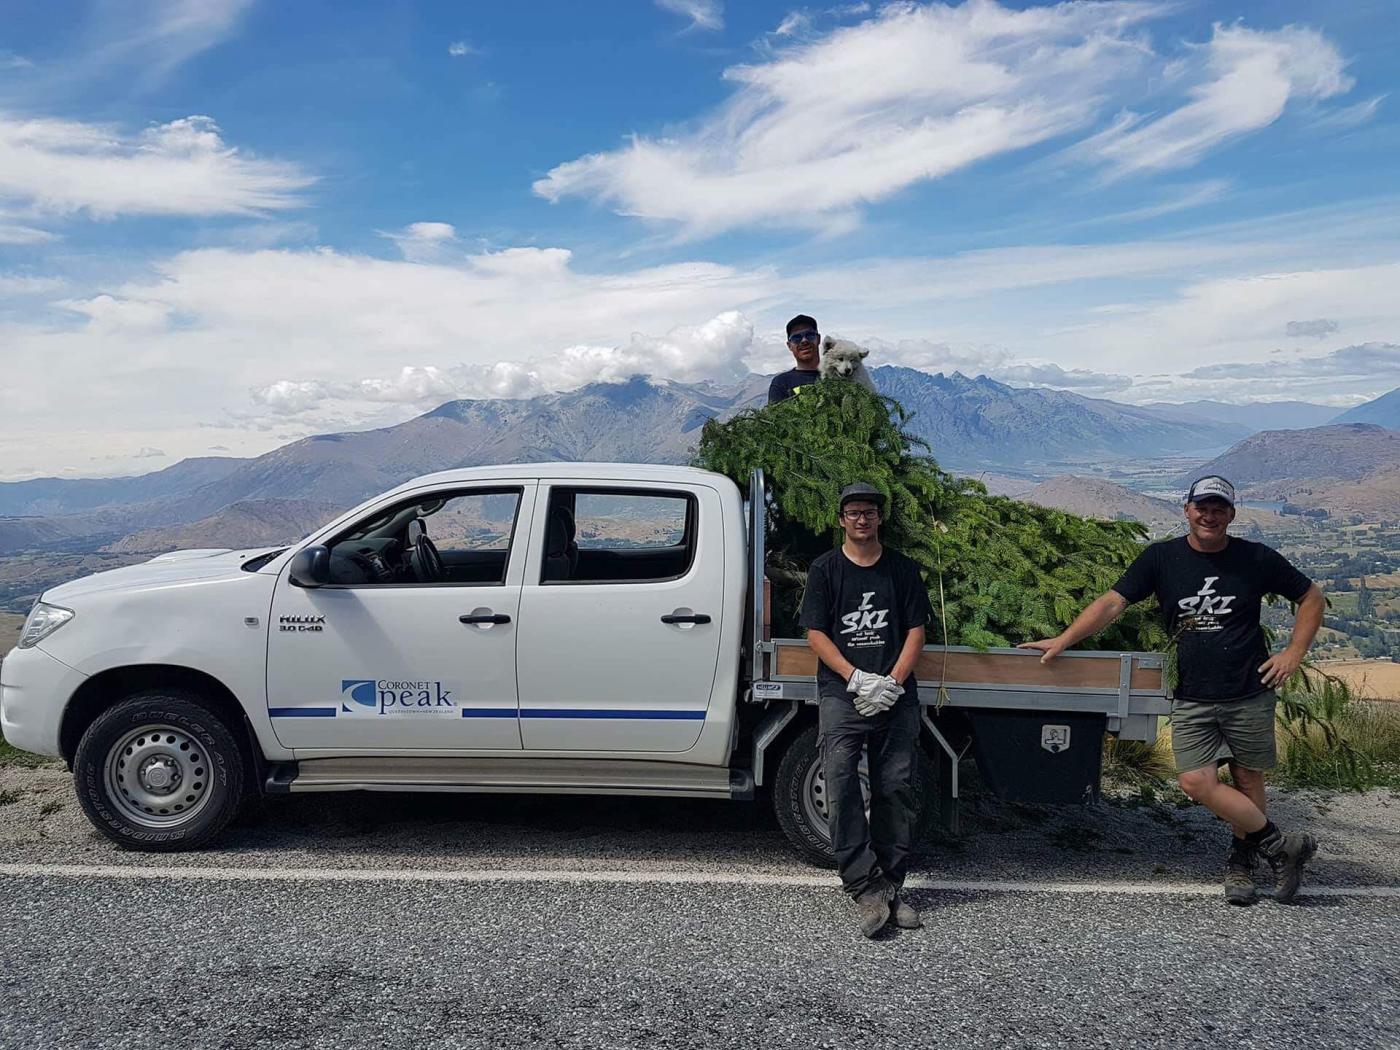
{"x":809,"y":836}
{"x":196,"y":753}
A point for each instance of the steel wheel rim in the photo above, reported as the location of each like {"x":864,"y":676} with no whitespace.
{"x":816,"y":804}
{"x":158,"y":776}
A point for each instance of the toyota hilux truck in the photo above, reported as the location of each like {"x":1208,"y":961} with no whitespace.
{"x":575,"y":628}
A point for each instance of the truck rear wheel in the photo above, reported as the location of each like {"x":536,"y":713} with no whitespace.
{"x":801,"y":804}
{"x":159,"y":772}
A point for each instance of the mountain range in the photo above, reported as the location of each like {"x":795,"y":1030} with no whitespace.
{"x":971,"y":424}
{"x":1383,"y":411}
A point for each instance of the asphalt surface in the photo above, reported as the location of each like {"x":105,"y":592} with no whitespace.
{"x":463,"y":921}
{"x":99,"y":963}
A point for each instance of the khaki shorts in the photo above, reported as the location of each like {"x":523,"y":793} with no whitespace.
{"x":1207,"y":734}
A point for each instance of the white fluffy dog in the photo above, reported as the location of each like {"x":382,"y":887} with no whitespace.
{"x":844,"y":360}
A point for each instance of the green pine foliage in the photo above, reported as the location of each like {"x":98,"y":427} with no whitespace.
{"x":999,"y":572}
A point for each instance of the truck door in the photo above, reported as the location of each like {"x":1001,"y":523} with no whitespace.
{"x":620,"y":617}
{"x":420,"y":657}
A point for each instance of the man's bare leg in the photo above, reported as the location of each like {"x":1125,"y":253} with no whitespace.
{"x":1226,"y":802}
{"x":1250,"y":783}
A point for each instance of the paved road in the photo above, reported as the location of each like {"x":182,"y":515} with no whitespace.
{"x":414,"y":921}
{"x":396,"y":963}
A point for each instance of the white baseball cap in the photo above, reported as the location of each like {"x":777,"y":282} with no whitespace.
{"x":1211,"y":485}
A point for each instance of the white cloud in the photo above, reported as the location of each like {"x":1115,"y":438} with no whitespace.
{"x":1314,"y":329}
{"x":1344,"y":118}
{"x":1366,"y":361}
{"x":703,"y":14}
{"x":1244,"y":79}
{"x":156,"y":38}
{"x":424,"y":241}
{"x":14,"y":285}
{"x":461,"y":49}
{"x":111,"y":316}
{"x":1240,"y":318}
{"x":1052,"y":375}
{"x":830,"y":125}
{"x":180,"y":168}
{"x":714,"y":351}
{"x":14,"y":234}
{"x":11,"y":61}
{"x":334,"y":341}
{"x":793,"y":23}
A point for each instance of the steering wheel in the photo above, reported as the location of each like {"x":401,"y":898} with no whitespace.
{"x":427,"y":563}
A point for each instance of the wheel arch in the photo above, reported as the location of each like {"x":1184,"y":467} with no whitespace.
{"x":106,"y":688}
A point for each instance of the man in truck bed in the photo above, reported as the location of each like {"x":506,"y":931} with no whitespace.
{"x":865,"y":608}
{"x":1210,"y":586}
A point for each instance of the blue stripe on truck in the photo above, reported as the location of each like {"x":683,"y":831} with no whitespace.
{"x":569,"y":712}
{"x":301,"y":712}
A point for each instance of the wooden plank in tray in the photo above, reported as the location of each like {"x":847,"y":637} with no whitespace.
{"x":1009,"y":669}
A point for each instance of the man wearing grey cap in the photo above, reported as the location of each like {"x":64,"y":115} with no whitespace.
{"x":865,"y":608}
{"x":1210,"y":587}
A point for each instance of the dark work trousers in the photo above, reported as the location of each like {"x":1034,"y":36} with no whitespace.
{"x":870,"y":853}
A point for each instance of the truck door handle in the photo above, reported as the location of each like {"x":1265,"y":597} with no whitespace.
{"x":687,"y":618}
{"x":484,"y":618}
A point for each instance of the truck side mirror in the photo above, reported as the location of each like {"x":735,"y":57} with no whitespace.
{"x":311,"y":566}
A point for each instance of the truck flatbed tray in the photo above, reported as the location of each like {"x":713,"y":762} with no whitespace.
{"x":1128,"y":688}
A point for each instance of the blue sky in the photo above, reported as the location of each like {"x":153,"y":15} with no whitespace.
{"x":226,"y":224}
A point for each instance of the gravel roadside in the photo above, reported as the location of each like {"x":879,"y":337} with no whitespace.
{"x":1359,"y":835}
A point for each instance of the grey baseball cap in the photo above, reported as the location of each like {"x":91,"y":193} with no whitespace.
{"x":862,"y":490}
{"x":1208,"y":486}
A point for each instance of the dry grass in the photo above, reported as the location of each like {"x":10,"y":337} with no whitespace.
{"x":1369,"y":729}
{"x":1368,"y":679}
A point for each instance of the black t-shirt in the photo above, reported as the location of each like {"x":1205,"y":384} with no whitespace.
{"x":1211,"y":602}
{"x":866,"y":611}
{"x":785,"y":384}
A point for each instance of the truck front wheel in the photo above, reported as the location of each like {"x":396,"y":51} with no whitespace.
{"x":159,"y":772}
{"x":801,"y":803}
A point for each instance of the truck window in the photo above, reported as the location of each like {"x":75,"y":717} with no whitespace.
{"x":470,"y":532}
{"x":618,"y":536}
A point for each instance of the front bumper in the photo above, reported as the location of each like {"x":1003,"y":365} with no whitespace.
{"x":34,"y":690}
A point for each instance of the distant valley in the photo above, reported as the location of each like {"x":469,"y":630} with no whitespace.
{"x":1085,"y":455}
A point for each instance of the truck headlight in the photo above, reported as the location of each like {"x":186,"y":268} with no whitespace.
{"x":43,"y":620}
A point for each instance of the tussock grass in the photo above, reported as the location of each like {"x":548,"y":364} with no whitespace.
{"x":1138,"y":765}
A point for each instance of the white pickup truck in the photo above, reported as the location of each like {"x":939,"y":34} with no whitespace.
{"x":558,"y":627}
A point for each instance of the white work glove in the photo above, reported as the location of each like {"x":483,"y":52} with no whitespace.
{"x":862,"y":683}
{"x":885,"y":695}
{"x":873,"y":692}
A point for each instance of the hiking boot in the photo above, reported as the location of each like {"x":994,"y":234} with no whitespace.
{"x":1287,"y":854}
{"x":1239,"y":874}
{"x":873,"y":909}
{"x":906,"y":916}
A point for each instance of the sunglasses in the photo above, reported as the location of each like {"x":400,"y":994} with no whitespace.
{"x":805,"y":337}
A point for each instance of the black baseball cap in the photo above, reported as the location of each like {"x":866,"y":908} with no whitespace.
{"x":862,"y":490}
{"x":801,"y":323}
{"x":1211,"y":486}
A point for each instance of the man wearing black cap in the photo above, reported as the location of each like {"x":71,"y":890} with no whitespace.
{"x":1210,"y":586}
{"x":805,"y":342}
{"x":865,"y":608}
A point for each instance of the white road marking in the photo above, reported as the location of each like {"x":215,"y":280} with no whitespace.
{"x":630,"y":877}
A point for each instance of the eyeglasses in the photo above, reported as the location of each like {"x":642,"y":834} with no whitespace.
{"x":805,"y":337}
{"x":860,"y":515}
